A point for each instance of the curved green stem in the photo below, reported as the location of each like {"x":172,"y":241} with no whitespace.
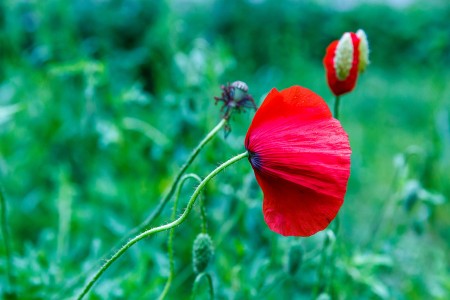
{"x":168,"y":226}
{"x":203,"y":214}
{"x":197,"y":283}
{"x":171,"y":233}
{"x":157,"y":211}
{"x":180,"y":173}
{"x":336,"y":107}
{"x":5,"y":234}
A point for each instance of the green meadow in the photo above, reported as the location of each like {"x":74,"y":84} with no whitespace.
{"x":102,"y":101}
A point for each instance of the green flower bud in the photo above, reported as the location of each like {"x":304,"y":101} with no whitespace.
{"x":202,"y":252}
{"x":295,"y":257}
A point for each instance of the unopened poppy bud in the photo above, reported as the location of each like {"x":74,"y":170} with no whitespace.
{"x":341,"y":63}
{"x":295,"y":257}
{"x":363,"y":50}
{"x":202,"y":252}
{"x":343,"y":59}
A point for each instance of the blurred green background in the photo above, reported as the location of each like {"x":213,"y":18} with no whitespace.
{"x":101,"y":101}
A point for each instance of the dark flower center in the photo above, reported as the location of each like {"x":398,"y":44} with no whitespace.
{"x":235,"y":97}
{"x":255,"y":160}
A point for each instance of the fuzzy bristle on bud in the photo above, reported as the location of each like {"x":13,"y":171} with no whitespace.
{"x":202,"y":252}
{"x":363,"y":50}
{"x":294,"y":259}
{"x":343,"y":58}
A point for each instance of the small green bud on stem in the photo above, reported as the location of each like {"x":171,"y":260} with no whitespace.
{"x":202,"y":252}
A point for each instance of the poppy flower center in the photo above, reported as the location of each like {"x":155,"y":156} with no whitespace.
{"x":255,"y":160}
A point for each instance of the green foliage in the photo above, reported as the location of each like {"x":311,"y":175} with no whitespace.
{"x":102,"y":101}
{"x":294,"y":260}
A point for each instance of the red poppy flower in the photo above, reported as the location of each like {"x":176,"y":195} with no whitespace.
{"x":301,"y":159}
{"x":341,"y":63}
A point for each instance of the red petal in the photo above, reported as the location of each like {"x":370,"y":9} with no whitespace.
{"x":303,"y":162}
{"x":294,"y":101}
{"x":292,"y":210}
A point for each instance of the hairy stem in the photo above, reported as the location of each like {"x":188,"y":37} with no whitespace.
{"x":168,"y":226}
{"x":171,"y":234}
{"x":159,"y":208}
{"x":203,"y":213}
{"x":180,"y":173}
